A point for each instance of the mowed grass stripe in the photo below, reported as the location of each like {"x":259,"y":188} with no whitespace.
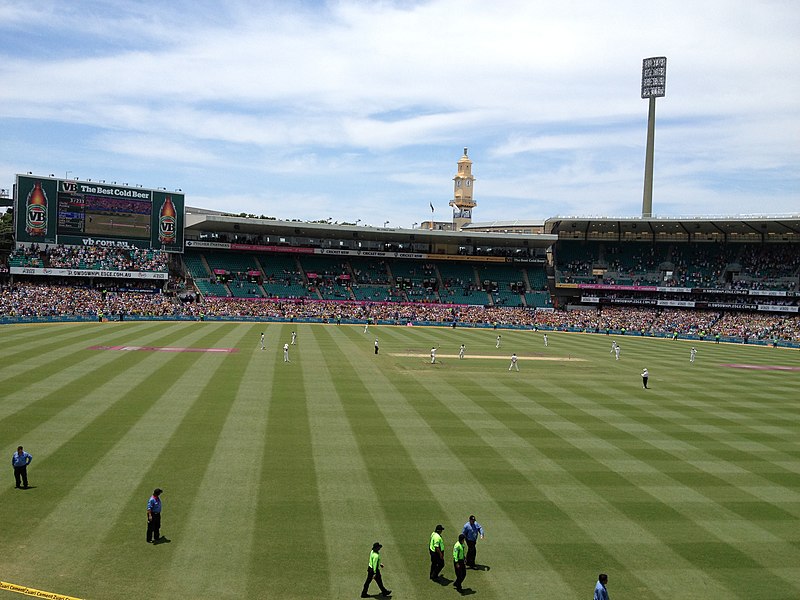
{"x":694,"y":455}
{"x":176,"y":462}
{"x":17,"y":340}
{"x":495,"y":484}
{"x":411,"y":508}
{"x":224,"y":512}
{"x":449,"y":477}
{"x":684,"y":516}
{"x":71,"y":407}
{"x":522,"y":413}
{"x":735,"y":443}
{"x":717,"y":434}
{"x":577,"y":497}
{"x":694,"y":450}
{"x":84,"y":513}
{"x":352,"y":516}
{"x":28,"y":354}
{"x":49,"y":382}
{"x":287,"y":561}
{"x":463,"y":471}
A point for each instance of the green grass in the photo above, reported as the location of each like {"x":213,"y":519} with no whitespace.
{"x":278,"y":477}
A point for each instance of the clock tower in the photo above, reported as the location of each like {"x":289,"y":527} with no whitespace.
{"x":462,"y":201}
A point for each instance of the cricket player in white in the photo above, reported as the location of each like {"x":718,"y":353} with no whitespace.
{"x":294,"y":337}
{"x":513,"y":364}
{"x":498,"y":342}
{"x":286,"y":353}
{"x":613,"y":346}
{"x":433,"y":355}
{"x":366,"y":326}
{"x":545,"y":340}
{"x":617,"y":351}
{"x":692,"y":354}
{"x":461,"y":351}
{"x":262,"y":341}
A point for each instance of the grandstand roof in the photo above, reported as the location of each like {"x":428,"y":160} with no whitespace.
{"x":779,"y":225}
{"x":198,"y":220}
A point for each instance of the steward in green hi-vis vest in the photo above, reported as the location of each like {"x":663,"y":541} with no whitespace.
{"x":436,"y":548}
{"x":459,"y":562}
{"x":374,"y":572}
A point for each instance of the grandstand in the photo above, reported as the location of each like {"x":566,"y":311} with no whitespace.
{"x":729,"y":267}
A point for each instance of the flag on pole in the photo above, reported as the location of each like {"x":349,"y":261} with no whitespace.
{"x":431,"y":203}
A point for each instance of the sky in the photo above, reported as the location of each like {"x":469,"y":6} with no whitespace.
{"x":358,"y":111}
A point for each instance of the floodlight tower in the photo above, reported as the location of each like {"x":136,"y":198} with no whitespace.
{"x":654,"y":84}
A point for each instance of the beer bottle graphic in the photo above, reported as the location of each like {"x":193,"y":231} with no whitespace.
{"x":167,"y":222}
{"x":36,"y":212}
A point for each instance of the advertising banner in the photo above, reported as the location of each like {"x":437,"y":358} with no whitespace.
{"x":35,"y":209}
{"x":89,"y":273}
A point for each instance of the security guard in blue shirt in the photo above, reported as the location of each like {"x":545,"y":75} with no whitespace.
{"x":20,"y":461}
{"x":154,"y":516}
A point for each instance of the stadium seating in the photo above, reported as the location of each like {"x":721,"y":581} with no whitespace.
{"x":282,"y":277}
{"x":413,"y":274}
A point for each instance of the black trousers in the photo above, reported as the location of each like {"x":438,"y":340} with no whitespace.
{"x":370,"y":576}
{"x":21,"y":473}
{"x":461,"y":573}
{"x":153,"y":527}
{"x":437,"y":564}
{"x":471,"y":552}
{"x":644,"y":382}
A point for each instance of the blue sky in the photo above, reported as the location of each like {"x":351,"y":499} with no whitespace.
{"x":359,"y":110}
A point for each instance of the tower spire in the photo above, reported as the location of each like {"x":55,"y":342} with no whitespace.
{"x":462,"y":201}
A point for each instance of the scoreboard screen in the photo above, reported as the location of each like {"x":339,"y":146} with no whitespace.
{"x":53,"y":210}
{"x":80,"y":214}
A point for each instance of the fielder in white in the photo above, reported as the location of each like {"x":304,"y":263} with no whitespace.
{"x":433,"y":355}
{"x":262,"y":341}
{"x":617,"y":350}
{"x":545,"y":340}
{"x":461,"y":351}
{"x":286,"y":353}
{"x":513,"y":364}
{"x":294,"y":337}
{"x":498,"y":342}
{"x":692,"y":354}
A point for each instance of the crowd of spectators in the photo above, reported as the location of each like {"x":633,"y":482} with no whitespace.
{"x":65,"y":298}
{"x":759,"y":326}
{"x":697,"y":265}
{"x":26,"y":299}
{"x":90,"y":257}
{"x":705,"y":324}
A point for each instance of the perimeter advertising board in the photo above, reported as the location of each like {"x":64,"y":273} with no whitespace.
{"x":84,"y":213}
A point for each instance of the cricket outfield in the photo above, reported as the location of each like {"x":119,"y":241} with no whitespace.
{"x":278,"y":477}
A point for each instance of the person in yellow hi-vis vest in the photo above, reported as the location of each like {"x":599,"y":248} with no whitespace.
{"x":374,"y":572}
{"x":436,"y":548}
{"x":459,"y":564}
